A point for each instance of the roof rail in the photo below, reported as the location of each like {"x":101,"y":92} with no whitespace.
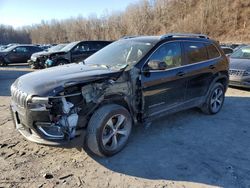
{"x":129,"y":36}
{"x":171,"y":35}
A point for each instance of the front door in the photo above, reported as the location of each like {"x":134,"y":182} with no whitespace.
{"x":164,"y":89}
{"x":80,"y":52}
{"x":18,"y":55}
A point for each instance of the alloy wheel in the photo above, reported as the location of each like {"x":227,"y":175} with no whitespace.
{"x":217,"y":99}
{"x":115,"y":132}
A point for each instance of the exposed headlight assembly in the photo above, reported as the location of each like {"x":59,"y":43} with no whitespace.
{"x":38,"y":103}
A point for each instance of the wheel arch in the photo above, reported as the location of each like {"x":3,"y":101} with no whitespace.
{"x":119,"y":99}
{"x":221,"y":77}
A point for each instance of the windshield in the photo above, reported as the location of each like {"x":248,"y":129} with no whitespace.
{"x":69,"y":46}
{"x":242,"y":53}
{"x":120,"y":53}
{"x":56,"y":48}
{"x":9,"y":49}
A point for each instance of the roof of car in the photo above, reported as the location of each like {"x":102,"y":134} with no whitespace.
{"x":169,"y":36}
{"x":20,"y":45}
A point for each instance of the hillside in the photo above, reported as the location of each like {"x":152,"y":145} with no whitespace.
{"x":224,"y":20}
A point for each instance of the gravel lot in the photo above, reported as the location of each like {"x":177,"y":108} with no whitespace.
{"x":187,"y":149}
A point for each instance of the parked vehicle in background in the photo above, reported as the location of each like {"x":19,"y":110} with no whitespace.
{"x":2,"y":47}
{"x":75,"y":52}
{"x":135,"y":79}
{"x":37,"y":60}
{"x":240,"y":46}
{"x":240,"y":68}
{"x":227,"y":50}
{"x":17,"y":54}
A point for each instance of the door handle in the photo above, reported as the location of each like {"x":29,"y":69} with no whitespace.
{"x":211,"y":66}
{"x":180,"y":74}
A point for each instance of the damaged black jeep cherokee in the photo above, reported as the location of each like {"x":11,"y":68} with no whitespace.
{"x":133,"y":80}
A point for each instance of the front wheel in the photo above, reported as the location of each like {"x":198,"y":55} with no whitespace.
{"x":214,"y":100}
{"x":108,"y":130}
{"x":2,"y":62}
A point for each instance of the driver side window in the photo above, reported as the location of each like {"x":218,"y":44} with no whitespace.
{"x":20,"y":50}
{"x":169,"y":53}
{"x":83,"y":47}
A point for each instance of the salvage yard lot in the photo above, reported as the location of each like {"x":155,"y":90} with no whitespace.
{"x":187,"y":149}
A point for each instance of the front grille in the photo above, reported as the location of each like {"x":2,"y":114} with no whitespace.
{"x":236,"y":72}
{"x":18,"y":96}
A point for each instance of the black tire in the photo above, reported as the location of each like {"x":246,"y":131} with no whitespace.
{"x":99,"y":139}
{"x":2,"y":62}
{"x":211,"y":102}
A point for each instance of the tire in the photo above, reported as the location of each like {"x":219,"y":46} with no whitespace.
{"x":108,"y":130}
{"x":3,"y":63}
{"x":215,"y":99}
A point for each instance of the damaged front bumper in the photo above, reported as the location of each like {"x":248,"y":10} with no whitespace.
{"x":34,"y":123}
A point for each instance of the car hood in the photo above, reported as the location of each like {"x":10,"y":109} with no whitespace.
{"x":49,"y":82}
{"x":241,"y":64}
{"x":3,"y":53}
{"x":45,"y":53}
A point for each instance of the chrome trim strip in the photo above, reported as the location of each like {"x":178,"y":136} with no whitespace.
{"x":50,"y":135}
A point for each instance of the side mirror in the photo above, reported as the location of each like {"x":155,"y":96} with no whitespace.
{"x":14,"y":51}
{"x":157,"y":65}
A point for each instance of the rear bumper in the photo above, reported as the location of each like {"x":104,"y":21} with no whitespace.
{"x":240,"y":81}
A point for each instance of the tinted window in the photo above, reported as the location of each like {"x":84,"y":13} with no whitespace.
{"x":21,"y":49}
{"x":34,"y":49}
{"x":227,"y":50}
{"x":97,"y":45}
{"x":212,"y":51}
{"x":169,"y":53}
{"x":195,"y":52}
{"x":82,"y":47}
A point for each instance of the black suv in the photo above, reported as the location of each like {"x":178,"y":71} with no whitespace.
{"x":133,"y":80}
{"x":71,"y":53}
{"x":17,"y":54}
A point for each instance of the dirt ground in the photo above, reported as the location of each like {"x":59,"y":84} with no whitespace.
{"x":187,"y":149}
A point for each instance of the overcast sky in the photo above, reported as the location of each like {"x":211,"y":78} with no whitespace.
{"x":26,"y":12}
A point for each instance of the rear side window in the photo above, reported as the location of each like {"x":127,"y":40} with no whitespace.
{"x":34,"y":49}
{"x":212,"y":51}
{"x":96,"y":46}
{"x":195,"y":52}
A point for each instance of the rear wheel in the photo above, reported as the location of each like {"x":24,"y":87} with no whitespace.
{"x":214,"y":100}
{"x":108,"y":130}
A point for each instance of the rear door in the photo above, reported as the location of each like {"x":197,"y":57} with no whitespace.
{"x":200,"y":60}
{"x":164,"y":89}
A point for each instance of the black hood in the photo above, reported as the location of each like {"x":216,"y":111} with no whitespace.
{"x":2,"y":54}
{"x":46,"y":53}
{"x":241,"y":64}
{"x":43,"y":82}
